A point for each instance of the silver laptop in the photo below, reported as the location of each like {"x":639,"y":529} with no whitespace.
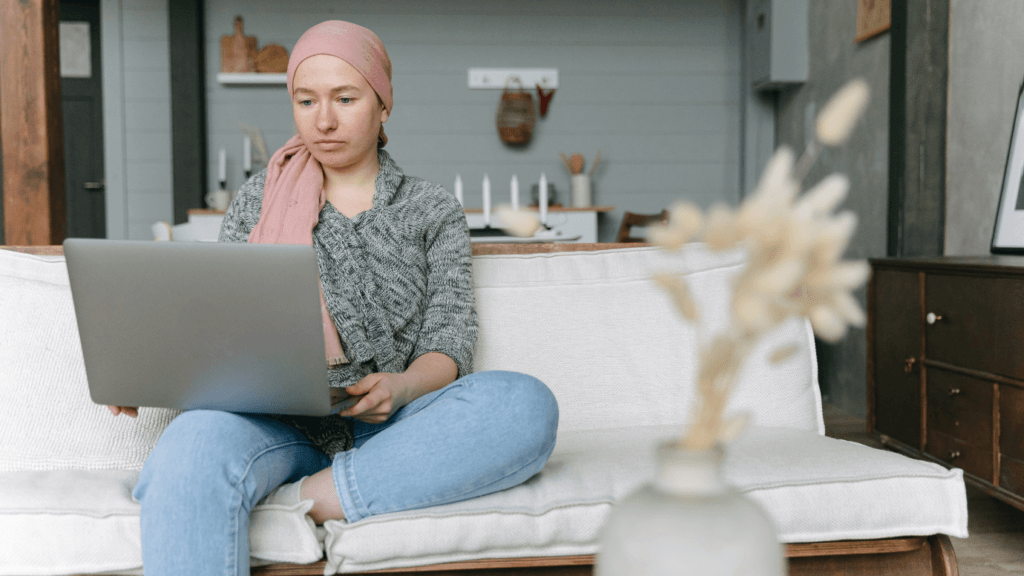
{"x":234,"y":327}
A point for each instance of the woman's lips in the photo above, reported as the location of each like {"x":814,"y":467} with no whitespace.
{"x":329,"y":144}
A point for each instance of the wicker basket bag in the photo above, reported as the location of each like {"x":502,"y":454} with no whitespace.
{"x":515,"y":115}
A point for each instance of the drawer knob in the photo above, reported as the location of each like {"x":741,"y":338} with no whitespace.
{"x":953,"y":455}
{"x":932,"y":317}
{"x":910,"y":365}
{"x":954,"y":391}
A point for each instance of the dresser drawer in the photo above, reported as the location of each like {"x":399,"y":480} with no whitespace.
{"x":972,"y":458}
{"x":1011,"y":422}
{"x":980,"y":324}
{"x":960,"y":406}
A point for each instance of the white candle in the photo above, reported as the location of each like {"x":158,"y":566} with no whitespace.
{"x":222,"y":167}
{"x":543,"y":199}
{"x":246,"y":153}
{"x":487,"y":201}
{"x":458,"y":188}
{"x":515,"y":192}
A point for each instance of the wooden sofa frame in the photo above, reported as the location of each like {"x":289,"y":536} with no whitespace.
{"x":911,"y":556}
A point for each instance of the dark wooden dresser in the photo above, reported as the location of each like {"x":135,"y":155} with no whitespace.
{"x":946,"y":365}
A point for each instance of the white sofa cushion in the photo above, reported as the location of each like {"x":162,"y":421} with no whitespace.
{"x":591,"y":325}
{"x":814,"y":488}
{"x":49,"y":422}
{"x":86,"y":521}
{"x":613,"y":349}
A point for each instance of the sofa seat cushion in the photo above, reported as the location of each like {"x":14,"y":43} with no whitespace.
{"x":813,"y":487}
{"x":86,"y":521}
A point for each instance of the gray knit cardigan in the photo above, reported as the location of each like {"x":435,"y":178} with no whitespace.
{"x":397,"y":280}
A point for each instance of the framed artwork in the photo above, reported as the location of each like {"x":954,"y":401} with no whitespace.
{"x":873,"y":18}
{"x":1008,"y":235}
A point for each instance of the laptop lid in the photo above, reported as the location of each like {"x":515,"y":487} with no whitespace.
{"x":222,"y":326}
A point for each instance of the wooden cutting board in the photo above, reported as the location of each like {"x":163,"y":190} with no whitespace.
{"x":238,"y":51}
{"x":272,"y":58}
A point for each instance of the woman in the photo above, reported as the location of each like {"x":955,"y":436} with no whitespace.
{"x":399,"y":324}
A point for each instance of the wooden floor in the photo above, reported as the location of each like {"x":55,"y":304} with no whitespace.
{"x":995,"y":546}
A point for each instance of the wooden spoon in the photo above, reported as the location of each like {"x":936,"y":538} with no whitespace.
{"x":576,"y":164}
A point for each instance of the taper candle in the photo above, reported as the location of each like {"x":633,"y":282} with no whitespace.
{"x":458,"y":188}
{"x":246,"y":154}
{"x":515,"y":192}
{"x":222,"y":169}
{"x":487,"y":201}
{"x":543,"y":203}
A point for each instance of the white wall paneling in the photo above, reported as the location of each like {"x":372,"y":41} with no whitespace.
{"x":137,"y":120}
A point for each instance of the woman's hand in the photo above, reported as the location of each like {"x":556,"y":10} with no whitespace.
{"x":383,"y":394}
{"x":132,"y":411}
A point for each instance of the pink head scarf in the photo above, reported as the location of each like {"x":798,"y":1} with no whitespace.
{"x":354,"y":44}
{"x":293,"y":193}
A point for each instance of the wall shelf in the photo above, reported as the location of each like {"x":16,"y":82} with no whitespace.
{"x":251,"y":78}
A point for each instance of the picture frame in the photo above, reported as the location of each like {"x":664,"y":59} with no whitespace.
{"x":1008,"y":232}
{"x":873,"y":18}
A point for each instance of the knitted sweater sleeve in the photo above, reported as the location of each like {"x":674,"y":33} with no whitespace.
{"x":244,"y":211}
{"x":450,"y":320}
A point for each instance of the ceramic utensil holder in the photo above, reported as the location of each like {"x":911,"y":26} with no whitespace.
{"x":581,"y":196}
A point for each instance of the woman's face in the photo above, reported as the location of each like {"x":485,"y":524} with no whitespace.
{"x":336,"y":111}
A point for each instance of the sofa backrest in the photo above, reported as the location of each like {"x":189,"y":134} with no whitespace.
{"x":48,"y":421}
{"x":595,"y":328}
{"x":590,"y":324}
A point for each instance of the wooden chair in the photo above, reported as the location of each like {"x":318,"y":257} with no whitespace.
{"x":629,"y":219}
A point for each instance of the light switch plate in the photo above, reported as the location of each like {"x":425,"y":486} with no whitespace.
{"x":495,"y":78}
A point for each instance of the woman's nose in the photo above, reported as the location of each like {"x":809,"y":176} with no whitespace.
{"x":326,"y":120}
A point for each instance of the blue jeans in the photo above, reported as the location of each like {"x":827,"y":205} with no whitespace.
{"x":485,"y":432}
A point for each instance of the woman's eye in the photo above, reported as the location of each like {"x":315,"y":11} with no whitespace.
{"x":306,"y":102}
{"x":345,"y":100}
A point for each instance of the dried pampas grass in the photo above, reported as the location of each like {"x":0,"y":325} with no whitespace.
{"x":794,"y":244}
{"x":837,"y":118}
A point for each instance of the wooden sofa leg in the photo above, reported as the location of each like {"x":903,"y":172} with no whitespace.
{"x":943,"y":556}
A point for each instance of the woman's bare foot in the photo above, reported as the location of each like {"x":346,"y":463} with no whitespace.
{"x":320,"y":488}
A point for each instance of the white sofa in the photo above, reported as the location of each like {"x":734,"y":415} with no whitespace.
{"x":589,"y":323}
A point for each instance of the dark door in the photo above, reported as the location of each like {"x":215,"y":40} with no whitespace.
{"x":82,"y":99}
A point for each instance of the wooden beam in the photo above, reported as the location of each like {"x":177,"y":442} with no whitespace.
{"x":918,"y":108}
{"x":31,"y":130}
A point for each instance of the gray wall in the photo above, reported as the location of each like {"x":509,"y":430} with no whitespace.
{"x":985,"y":54}
{"x":835,"y":58}
{"x":137,"y":116}
{"x":655,"y":86}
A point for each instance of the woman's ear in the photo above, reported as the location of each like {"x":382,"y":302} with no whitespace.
{"x":383,"y":114}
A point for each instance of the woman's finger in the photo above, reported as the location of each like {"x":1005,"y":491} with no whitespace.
{"x":132,"y":411}
{"x":367,"y":403}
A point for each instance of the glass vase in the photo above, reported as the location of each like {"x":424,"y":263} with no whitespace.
{"x":688,"y":521}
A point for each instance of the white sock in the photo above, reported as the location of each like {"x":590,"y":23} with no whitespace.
{"x":287,"y":494}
